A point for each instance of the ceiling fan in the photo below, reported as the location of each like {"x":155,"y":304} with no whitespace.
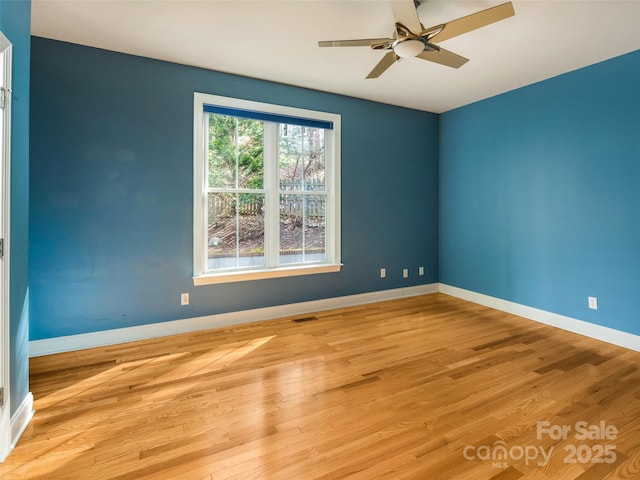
{"x":411,"y":39}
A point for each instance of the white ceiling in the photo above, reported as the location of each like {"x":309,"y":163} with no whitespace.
{"x":277,"y":40}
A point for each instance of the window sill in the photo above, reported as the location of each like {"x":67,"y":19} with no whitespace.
{"x":244,"y":276}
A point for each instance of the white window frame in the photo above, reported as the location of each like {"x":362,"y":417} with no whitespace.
{"x":332,"y":180}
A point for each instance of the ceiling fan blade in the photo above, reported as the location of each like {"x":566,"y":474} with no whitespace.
{"x":388,"y":60}
{"x":474,"y":21}
{"x":363,"y":42}
{"x":443,"y":57}
{"x":405,"y":13}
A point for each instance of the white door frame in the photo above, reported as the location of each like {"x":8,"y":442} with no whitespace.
{"x":5,"y":183}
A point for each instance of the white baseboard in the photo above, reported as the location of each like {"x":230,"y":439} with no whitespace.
{"x":122,"y":335}
{"x":20,"y":419}
{"x":598,"y":332}
{"x":143,"y":332}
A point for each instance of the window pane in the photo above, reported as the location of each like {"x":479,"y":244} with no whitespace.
{"x":222,"y":151}
{"x":236,"y":152}
{"x":302,"y":158}
{"x":302,"y":228}
{"x":235,"y":230}
{"x":250,"y":153}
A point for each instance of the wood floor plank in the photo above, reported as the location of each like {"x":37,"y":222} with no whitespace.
{"x":427,"y":387}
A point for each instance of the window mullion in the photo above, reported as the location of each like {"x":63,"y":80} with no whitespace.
{"x":272,"y":201}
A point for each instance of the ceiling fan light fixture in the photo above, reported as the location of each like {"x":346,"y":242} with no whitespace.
{"x":411,"y":39}
{"x":408,"y":48}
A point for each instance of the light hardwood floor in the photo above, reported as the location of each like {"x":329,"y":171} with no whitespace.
{"x":429,"y":387}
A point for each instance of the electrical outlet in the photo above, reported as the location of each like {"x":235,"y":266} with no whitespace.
{"x":405,"y":272}
{"x":383,"y":272}
{"x":184,"y":299}
{"x":593,"y":303}
{"x":420,"y":271}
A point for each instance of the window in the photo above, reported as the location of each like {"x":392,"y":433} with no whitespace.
{"x":266,"y":190}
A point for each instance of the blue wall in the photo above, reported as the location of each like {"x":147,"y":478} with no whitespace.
{"x":111,"y":193}
{"x":540,"y":190}
{"x":15,"y":23}
{"x":532,"y":193}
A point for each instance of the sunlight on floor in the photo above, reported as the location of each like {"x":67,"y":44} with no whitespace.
{"x":99,"y":414}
